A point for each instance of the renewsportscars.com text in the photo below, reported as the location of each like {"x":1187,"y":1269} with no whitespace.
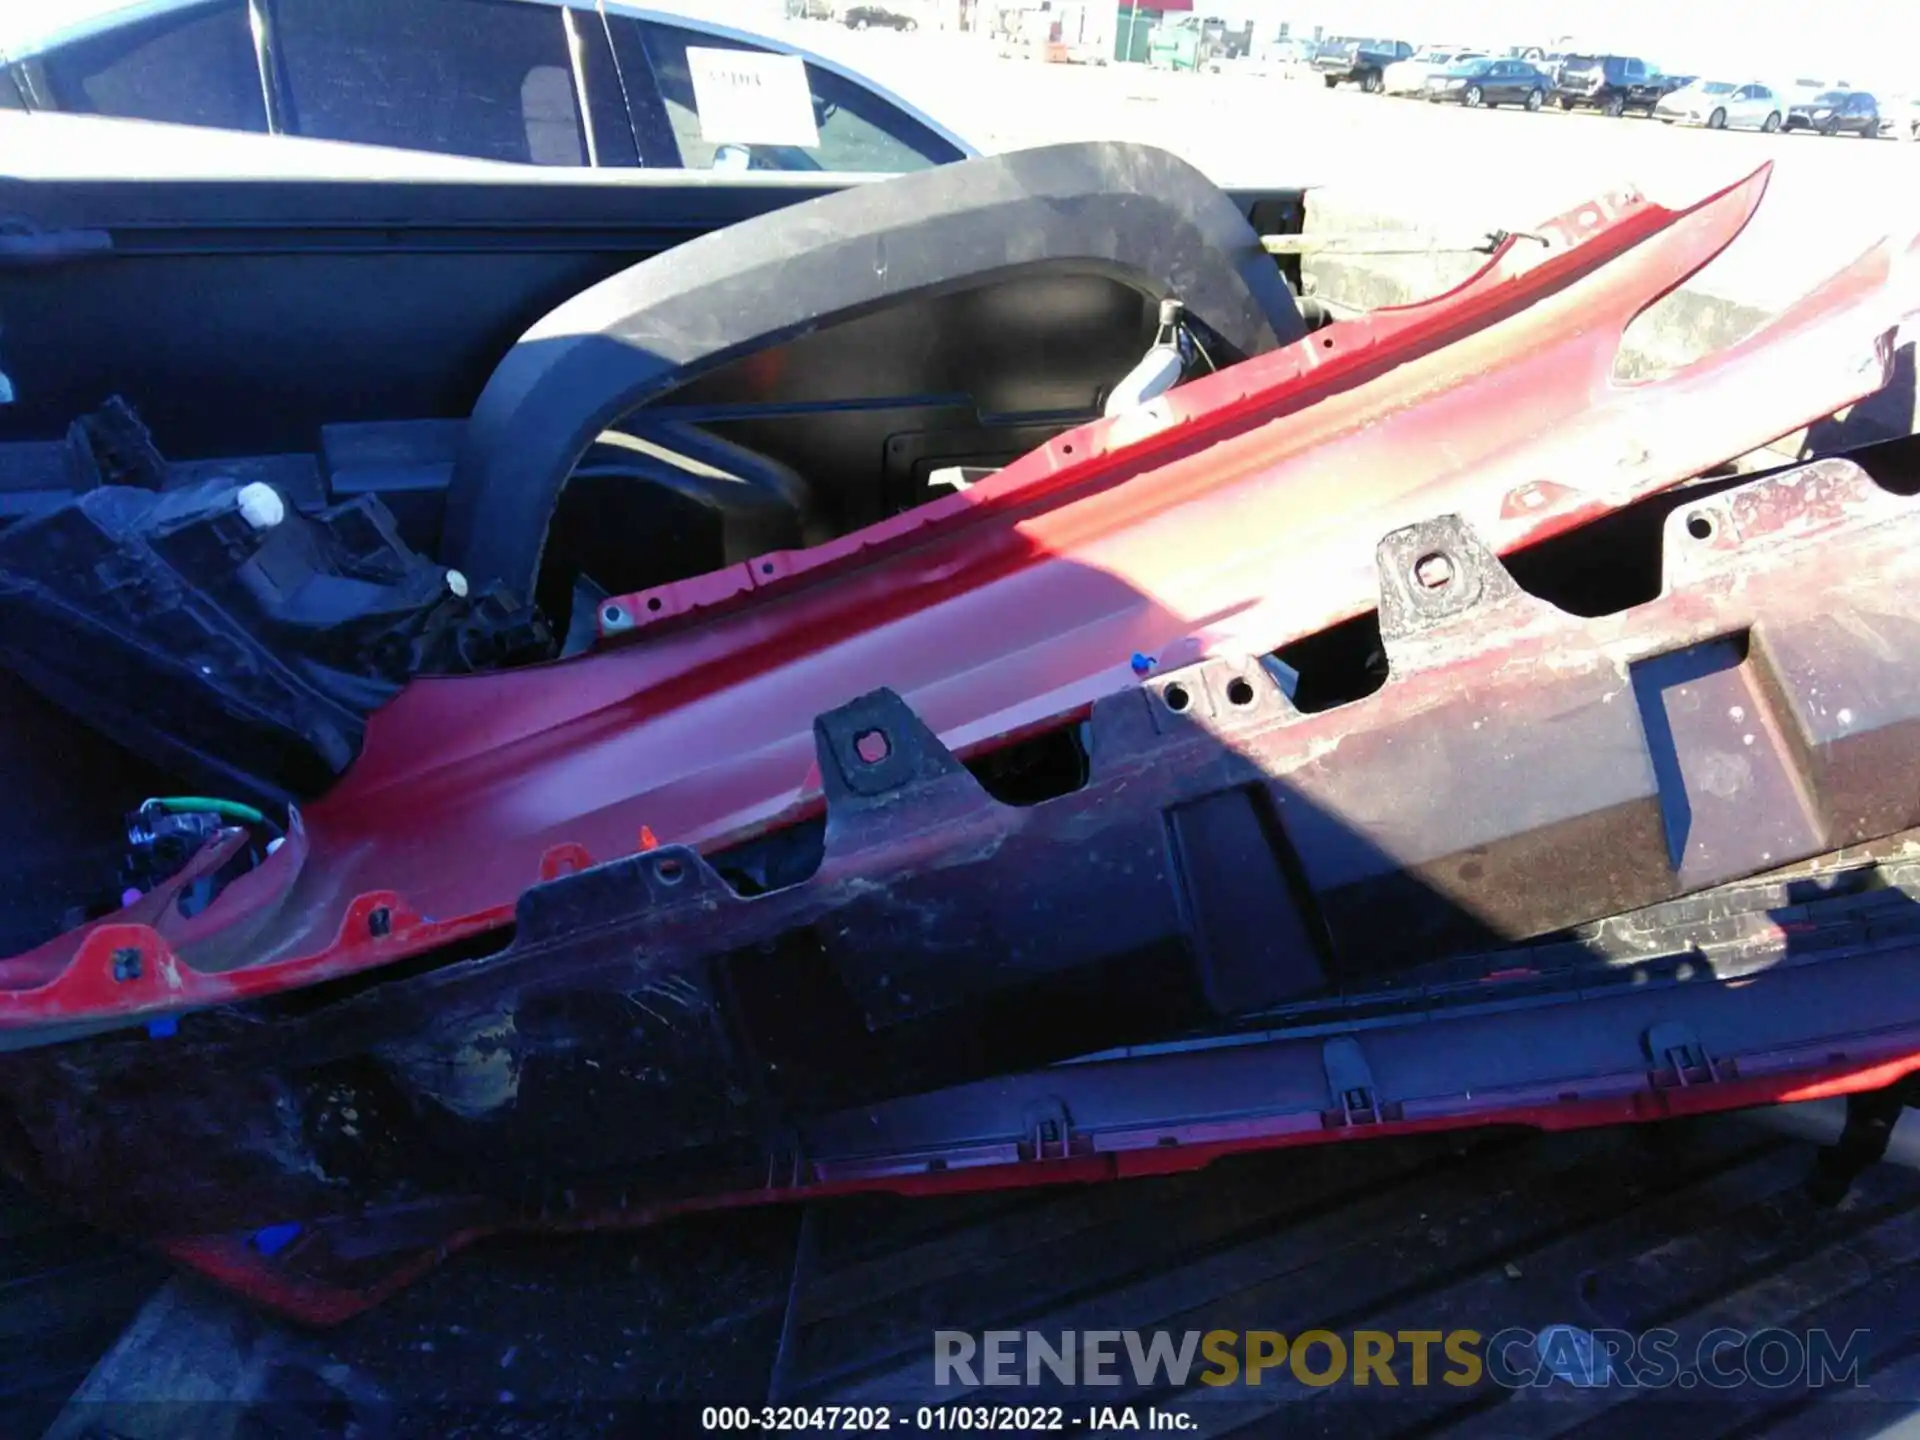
{"x":1513,"y":1358}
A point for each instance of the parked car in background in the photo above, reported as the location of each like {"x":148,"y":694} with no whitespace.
{"x":1364,"y":62}
{"x":1409,"y":77}
{"x":1289,"y":58}
{"x":1800,"y":92}
{"x":1721,"y":105}
{"x":1490,"y":82}
{"x":1703,"y":102}
{"x":1837,"y":112}
{"x":520,"y":81}
{"x":1900,"y":117}
{"x":1557,"y":64}
{"x":877,"y":17}
{"x":1611,"y":84}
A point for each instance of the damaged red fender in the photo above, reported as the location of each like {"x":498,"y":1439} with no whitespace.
{"x":1238,"y":512}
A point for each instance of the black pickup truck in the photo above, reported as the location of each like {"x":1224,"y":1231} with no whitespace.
{"x":1363,"y":62}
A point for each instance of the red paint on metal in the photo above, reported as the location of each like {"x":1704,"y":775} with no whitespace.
{"x":1241,"y":511}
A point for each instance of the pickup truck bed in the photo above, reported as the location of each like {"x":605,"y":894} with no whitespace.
{"x":404,"y":293}
{"x":1686,"y":1224}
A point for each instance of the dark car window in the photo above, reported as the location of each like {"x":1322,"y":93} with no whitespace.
{"x":459,"y":77}
{"x":859,"y":131}
{"x":192,"y":67}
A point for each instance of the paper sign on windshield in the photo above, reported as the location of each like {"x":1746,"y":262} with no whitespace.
{"x":747,"y":97}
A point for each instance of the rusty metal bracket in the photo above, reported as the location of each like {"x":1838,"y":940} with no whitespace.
{"x":1435,"y":572}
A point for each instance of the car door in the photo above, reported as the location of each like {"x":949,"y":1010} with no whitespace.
{"x":1503,"y":87}
{"x":855,"y":128}
{"x":1764,"y":103}
{"x":1863,"y":114}
{"x":1743,"y":108}
{"x":508,"y":80}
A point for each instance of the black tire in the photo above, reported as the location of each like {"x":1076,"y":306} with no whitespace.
{"x":1370,"y":82}
{"x":1771,"y":126}
{"x":1614,"y":106}
{"x":1474,"y":98}
{"x":1566,"y":102}
{"x":1332,"y":80}
{"x":1535,"y":99}
{"x":1717,"y":120}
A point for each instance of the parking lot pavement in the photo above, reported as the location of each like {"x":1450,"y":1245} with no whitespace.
{"x":1387,"y":162}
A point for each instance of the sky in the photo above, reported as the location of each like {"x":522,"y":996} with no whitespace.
{"x":1866,"y":42}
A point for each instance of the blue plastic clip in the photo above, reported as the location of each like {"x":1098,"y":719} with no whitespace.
{"x":163,"y":1027}
{"x":1143,"y":664}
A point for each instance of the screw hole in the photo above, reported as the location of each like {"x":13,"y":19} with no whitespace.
{"x":871,"y":746}
{"x":1239,"y":691}
{"x":380,"y":922}
{"x":766,"y":568}
{"x":670,"y":870}
{"x":611,"y":614}
{"x":1066,"y":449}
{"x":654,"y":603}
{"x":1327,"y":344}
{"x":126,"y":965}
{"x":1700,"y":525}
{"x":1433,"y":571}
{"x":1177,"y":698}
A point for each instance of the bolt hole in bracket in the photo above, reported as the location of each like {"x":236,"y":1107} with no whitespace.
{"x":1433,"y":572}
{"x":1225,"y":689}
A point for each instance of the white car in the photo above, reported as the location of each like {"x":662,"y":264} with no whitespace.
{"x":1722,"y":105}
{"x":567,"y":84}
{"x":1409,"y":77}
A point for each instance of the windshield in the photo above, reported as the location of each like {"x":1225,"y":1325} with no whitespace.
{"x":1830,"y":97}
{"x":1473,"y":67}
{"x":1714,"y":87}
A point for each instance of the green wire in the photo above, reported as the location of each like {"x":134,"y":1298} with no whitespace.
{"x":201,"y":804}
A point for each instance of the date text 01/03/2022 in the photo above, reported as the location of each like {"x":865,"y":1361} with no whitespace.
{"x":1008,"y":1419}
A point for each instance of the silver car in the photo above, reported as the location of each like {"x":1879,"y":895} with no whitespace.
{"x":1722,"y":105}
{"x":538,"y":82}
